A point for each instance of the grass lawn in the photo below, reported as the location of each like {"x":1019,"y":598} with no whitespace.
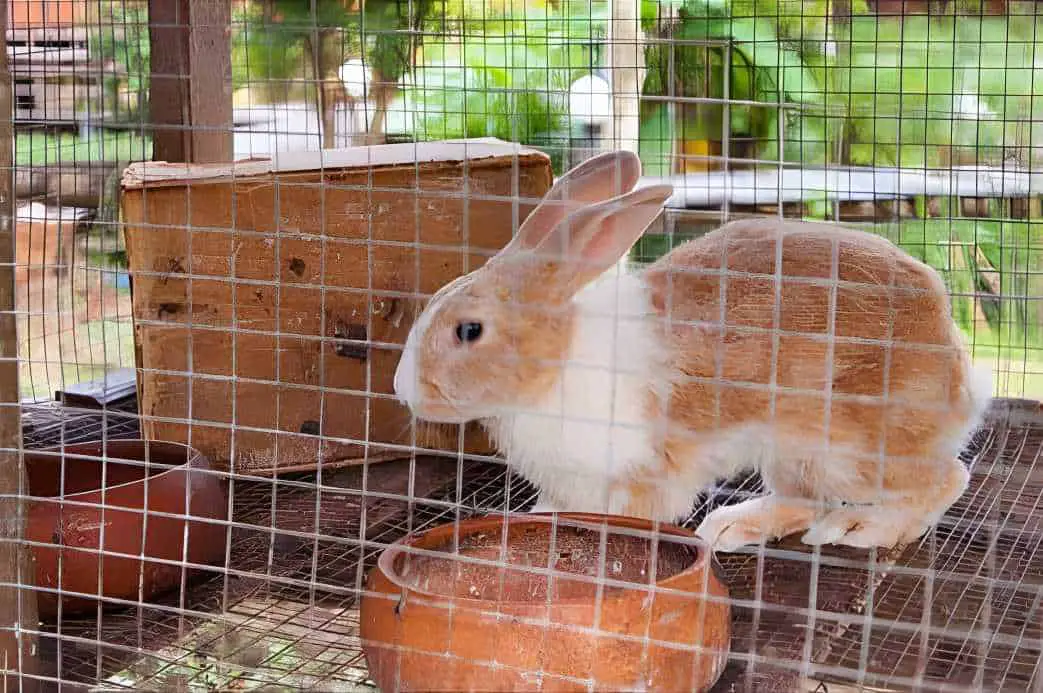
{"x":72,"y":331}
{"x":1016,"y":373}
{"x":42,"y":148}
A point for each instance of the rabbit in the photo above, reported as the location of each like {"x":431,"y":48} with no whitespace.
{"x":825,"y":358}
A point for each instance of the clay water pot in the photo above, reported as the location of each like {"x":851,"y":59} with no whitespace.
{"x":76,"y":528}
{"x":488,"y":615}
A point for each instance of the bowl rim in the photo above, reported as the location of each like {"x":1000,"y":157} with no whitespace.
{"x":195,"y":459}
{"x":702,"y":562}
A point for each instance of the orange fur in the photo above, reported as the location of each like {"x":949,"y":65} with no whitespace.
{"x":528,"y":339}
{"x":827,"y":358}
{"x":886,"y":375}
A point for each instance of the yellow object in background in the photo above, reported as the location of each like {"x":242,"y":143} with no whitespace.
{"x":699,"y":156}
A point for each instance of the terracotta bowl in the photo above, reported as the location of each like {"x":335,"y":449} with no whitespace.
{"x":66,"y":523}
{"x":440,"y":621}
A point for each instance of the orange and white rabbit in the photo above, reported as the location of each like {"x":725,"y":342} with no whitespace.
{"x":823,"y":357}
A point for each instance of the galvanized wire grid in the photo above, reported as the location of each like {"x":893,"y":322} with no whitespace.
{"x":276,"y":602}
{"x":958,"y":611}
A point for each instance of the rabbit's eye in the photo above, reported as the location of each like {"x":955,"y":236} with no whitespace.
{"x":469,"y":331}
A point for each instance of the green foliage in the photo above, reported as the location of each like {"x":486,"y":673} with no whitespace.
{"x":772,"y":59}
{"x":273,"y":37}
{"x":799,"y":23}
{"x":392,"y":28}
{"x":495,"y":88}
{"x":656,"y":137}
{"x":914,"y":87}
{"x":121,"y":35}
{"x":912,"y":92}
{"x":493,"y":84}
{"x":261,"y":51}
{"x":39,"y":148}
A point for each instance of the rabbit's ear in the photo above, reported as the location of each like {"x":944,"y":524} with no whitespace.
{"x":592,"y":239}
{"x":597,"y":179}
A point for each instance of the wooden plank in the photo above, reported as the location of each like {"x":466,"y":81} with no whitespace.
{"x":168,"y":97}
{"x":17,"y":606}
{"x":769,"y":186}
{"x":626,"y":62}
{"x":475,"y":152}
{"x":191,"y":80}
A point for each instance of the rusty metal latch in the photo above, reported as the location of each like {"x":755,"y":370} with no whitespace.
{"x":353,"y":341}
{"x":391,"y":309}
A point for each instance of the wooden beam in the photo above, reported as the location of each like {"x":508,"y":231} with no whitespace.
{"x":625,"y":58}
{"x":190,"y":88}
{"x":18,"y":620}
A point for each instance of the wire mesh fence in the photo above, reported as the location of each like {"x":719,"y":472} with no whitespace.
{"x":227,"y":220}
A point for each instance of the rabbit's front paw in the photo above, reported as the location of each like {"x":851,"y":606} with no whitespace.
{"x":544,"y":506}
{"x":727,"y":532}
{"x":865,"y":527}
{"x":753,"y":522}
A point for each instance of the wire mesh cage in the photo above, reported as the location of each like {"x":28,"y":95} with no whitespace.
{"x":254,"y":428}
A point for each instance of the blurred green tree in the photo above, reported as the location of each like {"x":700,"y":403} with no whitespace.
{"x":278,"y":37}
{"x":119,"y":38}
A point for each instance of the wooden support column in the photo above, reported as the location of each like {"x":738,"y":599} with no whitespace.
{"x":17,"y":606}
{"x":190,"y":87}
{"x":626,"y":65}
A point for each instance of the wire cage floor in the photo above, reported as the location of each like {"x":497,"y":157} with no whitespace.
{"x":959,"y":610}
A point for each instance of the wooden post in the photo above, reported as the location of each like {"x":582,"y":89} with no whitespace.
{"x":190,"y":87}
{"x":18,"y":621}
{"x":626,"y":65}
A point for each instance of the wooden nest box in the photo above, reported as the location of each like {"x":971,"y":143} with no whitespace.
{"x":272,"y":297}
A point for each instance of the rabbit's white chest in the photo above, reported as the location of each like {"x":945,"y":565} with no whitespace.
{"x":592,"y":427}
